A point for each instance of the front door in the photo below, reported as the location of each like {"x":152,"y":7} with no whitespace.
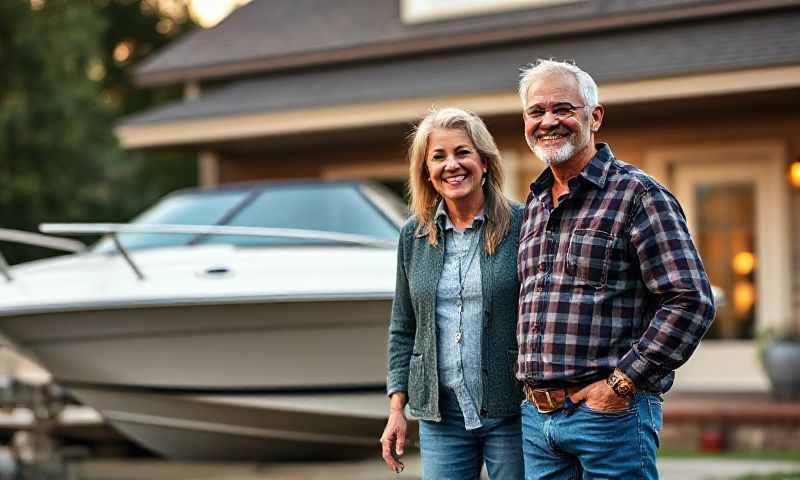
{"x":736,"y":205}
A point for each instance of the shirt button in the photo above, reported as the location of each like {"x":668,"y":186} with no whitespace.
{"x":542,"y":267}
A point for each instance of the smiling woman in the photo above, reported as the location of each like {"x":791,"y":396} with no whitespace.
{"x":208,"y":13}
{"x":425,"y":196}
{"x":456,"y":275}
{"x":457,"y":172}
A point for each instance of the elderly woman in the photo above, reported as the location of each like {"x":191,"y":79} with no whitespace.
{"x":452,"y":343}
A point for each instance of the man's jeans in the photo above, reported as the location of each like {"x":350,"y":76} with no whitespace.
{"x":579,"y":443}
{"x":450,"y":452}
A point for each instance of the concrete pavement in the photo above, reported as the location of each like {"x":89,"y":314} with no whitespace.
{"x":373,"y":469}
{"x":721,"y":469}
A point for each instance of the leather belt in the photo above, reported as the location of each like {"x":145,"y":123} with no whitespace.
{"x":549,"y":400}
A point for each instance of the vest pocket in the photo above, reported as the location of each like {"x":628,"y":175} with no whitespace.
{"x":511,"y":360}
{"x":416,"y":385}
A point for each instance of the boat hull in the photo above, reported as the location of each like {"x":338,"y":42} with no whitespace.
{"x":258,"y":346}
{"x":258,"y":380}
{"x":256,"y":428}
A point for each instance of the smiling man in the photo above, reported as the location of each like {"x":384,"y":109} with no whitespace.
{"x":613,"y":294}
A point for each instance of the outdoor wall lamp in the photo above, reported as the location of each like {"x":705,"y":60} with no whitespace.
{"x":794,"y":173}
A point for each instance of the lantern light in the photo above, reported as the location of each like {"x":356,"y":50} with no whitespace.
{"x":794,"y":173}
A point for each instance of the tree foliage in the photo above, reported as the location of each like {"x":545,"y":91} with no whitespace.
{"x":61,"y":91}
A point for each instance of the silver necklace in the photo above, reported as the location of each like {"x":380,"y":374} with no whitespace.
{"x":472,"y":251}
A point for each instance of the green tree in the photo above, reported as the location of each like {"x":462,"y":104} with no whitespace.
{"x":66,"y":80}
{"x":54,"y":139}
{"x":135,"y":30}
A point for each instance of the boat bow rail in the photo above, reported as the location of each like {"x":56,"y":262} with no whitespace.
{"x":114,"y":229}
{"x":38,"y":240}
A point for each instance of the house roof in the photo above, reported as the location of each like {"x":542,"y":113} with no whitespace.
{"x":674,"y":49}
{"x":271,"y":35}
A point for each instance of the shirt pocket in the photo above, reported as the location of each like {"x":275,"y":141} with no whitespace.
{"x":588,"y":257}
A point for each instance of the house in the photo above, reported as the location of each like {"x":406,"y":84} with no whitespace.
{"x":703,"y":94}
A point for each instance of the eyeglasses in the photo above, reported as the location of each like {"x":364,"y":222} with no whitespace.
{"x":561,"y":111}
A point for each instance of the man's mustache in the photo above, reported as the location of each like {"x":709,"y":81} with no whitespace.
{"x":561,"y":130}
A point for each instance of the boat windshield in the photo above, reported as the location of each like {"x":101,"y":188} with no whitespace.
{"x":341,"y":208}
{"x":184,"y":208}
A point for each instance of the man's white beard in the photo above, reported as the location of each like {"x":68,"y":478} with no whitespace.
{"x":563,"y":153}
{"x":555,"y":156}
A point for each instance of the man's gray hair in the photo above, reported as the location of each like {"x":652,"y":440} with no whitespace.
{"x":586,"y":83}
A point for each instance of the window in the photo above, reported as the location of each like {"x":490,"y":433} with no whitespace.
{"x":417,"y":11}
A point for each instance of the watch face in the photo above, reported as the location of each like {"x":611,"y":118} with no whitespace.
{"x":621,"y":385}
{"x":624,"y":389}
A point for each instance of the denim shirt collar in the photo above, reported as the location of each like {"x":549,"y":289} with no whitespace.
{"x":595,"y":172}
{"x":443,"y":219}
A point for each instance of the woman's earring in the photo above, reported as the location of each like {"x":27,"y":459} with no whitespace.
{"x":483,"y":177}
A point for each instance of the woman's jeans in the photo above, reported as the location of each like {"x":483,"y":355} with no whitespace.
{"x":449,"y":452}
{"x":579,"y":443}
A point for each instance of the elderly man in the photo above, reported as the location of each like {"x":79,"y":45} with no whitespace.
{"x":613,"y":294}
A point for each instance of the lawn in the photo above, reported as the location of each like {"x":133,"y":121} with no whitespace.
{"x":776,"y":456}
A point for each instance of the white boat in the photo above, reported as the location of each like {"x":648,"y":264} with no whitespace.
{"x":239,"y":323}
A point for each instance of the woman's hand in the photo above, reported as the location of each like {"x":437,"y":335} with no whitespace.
{"x":393,"y":440}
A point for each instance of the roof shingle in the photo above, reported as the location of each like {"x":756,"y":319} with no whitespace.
{"x":267,"y":35}
{"x":722,"y":44}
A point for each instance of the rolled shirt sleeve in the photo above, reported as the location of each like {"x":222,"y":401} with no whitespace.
{"x":673,"y":273}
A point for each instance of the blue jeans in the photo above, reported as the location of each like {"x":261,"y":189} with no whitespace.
{"x":450,"y":452}
{"x":579,"y":443}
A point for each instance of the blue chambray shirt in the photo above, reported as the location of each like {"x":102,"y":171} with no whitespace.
{"x":459,"y":363}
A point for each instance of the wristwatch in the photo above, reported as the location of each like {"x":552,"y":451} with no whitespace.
{"x":621,"y":384}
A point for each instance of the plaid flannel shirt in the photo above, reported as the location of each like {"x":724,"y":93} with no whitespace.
{"x":609,"y":278}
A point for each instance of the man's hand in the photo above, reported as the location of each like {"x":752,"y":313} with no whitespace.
{"x":600,"y":398}
{"x":393,"y":440}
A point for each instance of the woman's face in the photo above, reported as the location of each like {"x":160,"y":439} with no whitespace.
{"x":455,"y":166}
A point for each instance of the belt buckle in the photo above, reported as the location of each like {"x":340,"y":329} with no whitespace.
{"x":551,"y":405}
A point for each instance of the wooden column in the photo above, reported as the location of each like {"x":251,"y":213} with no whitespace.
{"x":208,"y":168}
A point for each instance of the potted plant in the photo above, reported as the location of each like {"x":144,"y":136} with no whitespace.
{"x":780,"y":356}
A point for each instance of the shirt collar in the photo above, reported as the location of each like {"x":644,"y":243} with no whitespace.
{"x":595,"y":172}
{"x":443,"y":219}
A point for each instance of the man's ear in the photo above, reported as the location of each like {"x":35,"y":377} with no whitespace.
{"x":597,"y":117}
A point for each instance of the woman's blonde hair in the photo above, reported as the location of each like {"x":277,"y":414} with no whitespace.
{"x":423,"y":197}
